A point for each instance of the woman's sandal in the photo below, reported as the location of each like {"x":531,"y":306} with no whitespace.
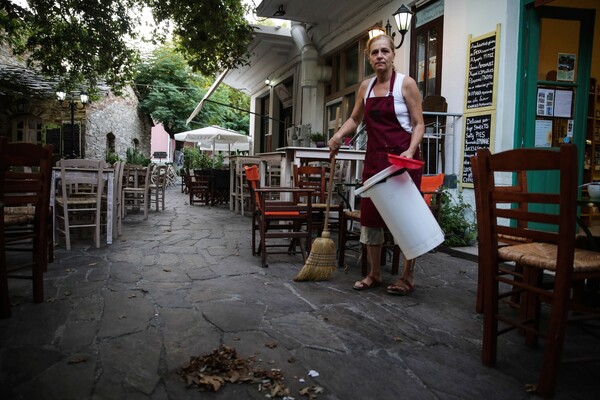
{"x":401,"y":290}
{"x":362,"y":285}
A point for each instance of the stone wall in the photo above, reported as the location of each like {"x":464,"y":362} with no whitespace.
{"x":121,"y":117}
{"x":24,"y":93}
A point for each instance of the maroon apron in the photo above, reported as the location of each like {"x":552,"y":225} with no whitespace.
{"x":385,"y":135}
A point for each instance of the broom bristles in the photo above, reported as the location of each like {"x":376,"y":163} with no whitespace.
{"x":320,"y":263}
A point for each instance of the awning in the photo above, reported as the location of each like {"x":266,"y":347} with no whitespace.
{"x":209,"y":93}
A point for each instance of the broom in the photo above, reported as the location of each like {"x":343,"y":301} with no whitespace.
{"x":320,"y":263}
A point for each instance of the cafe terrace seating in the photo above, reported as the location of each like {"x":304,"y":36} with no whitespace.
{"x":547,"y":223}
{"x":26,"y":170}
{"x":278,"y":219}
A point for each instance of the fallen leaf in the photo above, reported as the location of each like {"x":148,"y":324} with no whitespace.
{"x":122,"y":316}
{"x":92,"y":264}
{"x":166,"y":270}
{"x":214,"y":370}
{"x":67,"y":293}
{"x":271,"y":345}
{"x":397,"y":339}
{"x":131,"y":296}
{"x":77,"y":360}
{"x":530,"y":388}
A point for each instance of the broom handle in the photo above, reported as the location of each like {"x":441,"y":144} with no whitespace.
{"x":331,"y":173}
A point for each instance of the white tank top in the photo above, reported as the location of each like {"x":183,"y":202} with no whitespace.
{"x":400,"y":107}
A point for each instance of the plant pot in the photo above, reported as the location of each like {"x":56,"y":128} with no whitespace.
{"x":320,"y":144}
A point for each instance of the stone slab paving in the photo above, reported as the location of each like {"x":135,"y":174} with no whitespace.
{"x":119,"y":321}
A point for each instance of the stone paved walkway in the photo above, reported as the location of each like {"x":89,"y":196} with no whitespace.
{"x":120,"y":320}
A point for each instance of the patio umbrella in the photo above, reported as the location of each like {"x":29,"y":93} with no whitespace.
{"x":213,"y":135}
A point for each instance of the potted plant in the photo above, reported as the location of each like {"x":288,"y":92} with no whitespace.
{"x":318,"y":138}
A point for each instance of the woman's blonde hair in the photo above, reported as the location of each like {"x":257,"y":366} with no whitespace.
{"x":379,"y":37}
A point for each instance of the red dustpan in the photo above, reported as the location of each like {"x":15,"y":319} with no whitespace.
{"x":401,"y":161}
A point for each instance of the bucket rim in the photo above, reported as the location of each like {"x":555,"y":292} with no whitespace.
{"x":375,"y":179}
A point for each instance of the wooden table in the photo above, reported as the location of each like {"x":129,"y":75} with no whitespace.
{"x":296,"y":155}
{"x":109,"y":177}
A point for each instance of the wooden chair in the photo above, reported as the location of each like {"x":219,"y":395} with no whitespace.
{"x":519,"y":185}
{"x":199,"y":186}
{"x":27,"y":171}
{"x":315,"y":178}
{"x":158,"y":186}
{"x":278,"y":219}
{"x":80,"y":198}
{"x":136,"y":192}
{"x":549,"y":225}
{"x":219,"y":187}
{"x":431,"y":188}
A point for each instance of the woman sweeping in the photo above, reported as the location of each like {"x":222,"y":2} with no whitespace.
{"x":390,"y":104}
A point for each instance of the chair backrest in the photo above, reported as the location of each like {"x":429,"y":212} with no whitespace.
{"x":28,"y":172}
{"x":159,"y":176}
{"x":550,"y":216}
{"x":253,"y":178}
{"x":137,"y":176}
{"x":310,"y":177}
{"x":434,"y":103}
{"x":119,"y":168}
{"x":93,"y":183}
{"x":431,"y":184}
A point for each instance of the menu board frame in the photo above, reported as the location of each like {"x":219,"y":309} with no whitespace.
{"x":474,"y":141}
{"x":482,"y":50}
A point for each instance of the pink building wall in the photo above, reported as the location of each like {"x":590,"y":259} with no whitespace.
{"x":161,"y":142}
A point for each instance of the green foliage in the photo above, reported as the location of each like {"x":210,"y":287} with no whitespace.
{"x":211,"y":34}
{"x":84,"y":42}
{"x":134,"y":156}
{"x":169,"y":91}
{"x":111,"y":157}
{"x":316,"y":137}
{"x":455,"y":220}
{"x":193,"y":158}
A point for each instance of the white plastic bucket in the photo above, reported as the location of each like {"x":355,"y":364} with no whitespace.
{"x":404,"y":211}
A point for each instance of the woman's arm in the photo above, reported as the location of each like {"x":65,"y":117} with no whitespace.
{"x":412,"y":97}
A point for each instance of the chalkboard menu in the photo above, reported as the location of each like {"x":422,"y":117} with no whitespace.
{"x":480,"y":99}
{"x":481,"y":72}
{"x":478,"y":135}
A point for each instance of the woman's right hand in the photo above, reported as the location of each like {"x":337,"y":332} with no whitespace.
{"x":334,"y":145}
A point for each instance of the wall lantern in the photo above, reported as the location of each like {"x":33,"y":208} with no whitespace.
{"x":402,"y":17}
{"x":72,"y":105}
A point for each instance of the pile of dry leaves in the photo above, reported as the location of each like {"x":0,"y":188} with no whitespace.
{"x":212,"y":371}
